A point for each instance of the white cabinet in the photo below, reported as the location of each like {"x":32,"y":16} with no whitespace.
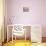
{"x":36,"y":33}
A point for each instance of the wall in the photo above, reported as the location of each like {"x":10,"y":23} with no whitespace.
{"x":36,"y":14}
{"x":1,"y":20}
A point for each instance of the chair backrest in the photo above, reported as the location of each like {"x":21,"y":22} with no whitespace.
{"x":18,"y":30}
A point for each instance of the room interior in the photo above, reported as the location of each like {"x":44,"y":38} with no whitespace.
{"x":27,"y":17}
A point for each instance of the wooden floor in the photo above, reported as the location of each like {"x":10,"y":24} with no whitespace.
{"x":18,"y":43}
{"x":23,"y":43}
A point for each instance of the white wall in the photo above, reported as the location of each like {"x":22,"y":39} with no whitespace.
{"x":1,"y":20}
{"x":36,"y":14}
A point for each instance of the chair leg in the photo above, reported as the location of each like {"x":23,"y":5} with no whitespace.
{"x":25,"y":36}
{"x":12,"y":37}
{"x":15,"y":38}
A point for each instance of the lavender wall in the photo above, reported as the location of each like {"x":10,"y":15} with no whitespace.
{"x":36,"y":14}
